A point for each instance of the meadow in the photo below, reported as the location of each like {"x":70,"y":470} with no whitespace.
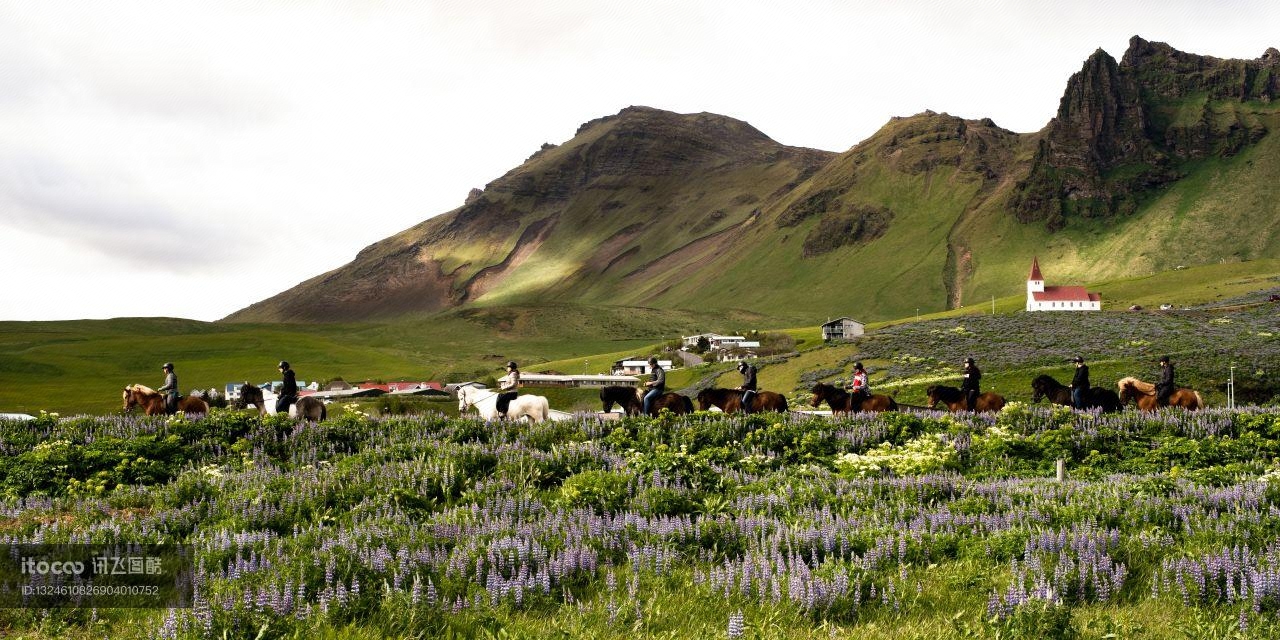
{"x":907,"y":525}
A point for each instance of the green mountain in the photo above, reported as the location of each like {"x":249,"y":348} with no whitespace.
{"x":1160,"y":160}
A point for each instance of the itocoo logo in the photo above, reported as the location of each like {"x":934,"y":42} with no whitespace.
{"x":46,"y":567}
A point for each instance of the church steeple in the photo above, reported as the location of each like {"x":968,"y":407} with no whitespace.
{"x":1035,"y":270}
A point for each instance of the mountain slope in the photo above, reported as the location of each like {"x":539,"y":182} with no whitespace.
{"x":1161,"y":159}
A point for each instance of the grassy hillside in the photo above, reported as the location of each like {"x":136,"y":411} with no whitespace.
{"x":80,"y":366}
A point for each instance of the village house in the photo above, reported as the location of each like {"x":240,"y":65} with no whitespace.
{"x":842,"y":329}
{"x":634,"y":367}
{"x":1057,"y":298}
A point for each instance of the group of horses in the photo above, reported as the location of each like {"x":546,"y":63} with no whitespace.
{"x":631,"y":399}
{"x":152,"y":402}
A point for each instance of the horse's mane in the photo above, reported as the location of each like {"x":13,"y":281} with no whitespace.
{"x":1138,"y":385}
{"x":143,"y":389}
{"x":1047,"y":379}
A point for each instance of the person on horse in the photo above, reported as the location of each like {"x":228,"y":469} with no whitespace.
{"x":508,"y":388}
{"x":972,"y":377}
{"x":860,"y":387}
{"x":1165,"y":386}
{"x":1079,"y":383}
{"x":748,"y":386}
{"x":288,"y":388}
{"x":657,"y":385}
{"x":170,"y":388}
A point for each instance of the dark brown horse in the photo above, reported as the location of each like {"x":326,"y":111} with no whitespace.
{"x":631,"y":399}
{"x":310,"y":408}
{"x":152,"y":402}
{"x":730,"y":400}
{"x":957,"y":400}
{"x":1045,"y":386}
{"x":841,"y":401}
{"x":1144,"y":393}
{"x":251,"y":395}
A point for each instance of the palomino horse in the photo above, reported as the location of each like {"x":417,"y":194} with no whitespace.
{"x":957,"y":400}
{"x":730,"y":400}
{"x":1144,"y":393}
{"x":631,"y":399}
{"x":1045,"y":386}
{"x":152,"y":402}
{"x":841,"y":401}
{"x":535,"y":408}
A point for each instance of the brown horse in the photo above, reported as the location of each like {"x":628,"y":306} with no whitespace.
{"x":310,"y":408}
{"x":152,"y":402}
{"x":957,"y":400}
{"x":251,"y":395}
{"x":631,"y":399}
{"x":730,"y":400}
{"x":1144,"y":394}
{"x":1045,"y":386}
{"x":841,"y":401}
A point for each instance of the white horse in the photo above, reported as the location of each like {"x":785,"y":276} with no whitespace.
{"x":535,"y":408}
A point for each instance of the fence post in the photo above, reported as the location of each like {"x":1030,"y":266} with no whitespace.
{"x":1061,"y":469}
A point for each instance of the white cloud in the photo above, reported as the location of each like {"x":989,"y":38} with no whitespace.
{"x":285,"y":136}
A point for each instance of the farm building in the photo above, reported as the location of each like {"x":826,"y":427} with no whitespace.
{"x":634,"y":367}
{"x":717,"y":341}
{"x":1057,"y":298}
{"x":842,"y":329}
{"x":584,"y":381}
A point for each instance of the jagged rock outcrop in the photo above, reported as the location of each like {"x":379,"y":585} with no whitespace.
{"x":1122,"y":129}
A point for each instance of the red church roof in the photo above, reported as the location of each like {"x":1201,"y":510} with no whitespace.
{"x":1035,"y":270}
{"x":1064,"y":294}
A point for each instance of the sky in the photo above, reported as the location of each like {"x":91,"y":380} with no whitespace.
{"x":187,"y":159}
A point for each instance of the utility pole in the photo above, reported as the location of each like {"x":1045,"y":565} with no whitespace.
{"x":1231,"y":388}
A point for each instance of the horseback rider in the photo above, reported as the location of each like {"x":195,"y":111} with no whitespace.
{"x":288,"y":388}
{"x":972,"y":376}
{"x":170,"y":388}
{"x":657,"y":385}
{"x":1079,"y":383}
{"x":860,"y":387}
{"x":748,"y":386}
{"x":508,"y":388}
{"x":1165,"y":386}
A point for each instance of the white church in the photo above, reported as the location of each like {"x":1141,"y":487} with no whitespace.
{"x":1042,"y":298}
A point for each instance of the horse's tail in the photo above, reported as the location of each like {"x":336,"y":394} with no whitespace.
{"x":324,"y":412}
{"x":1199,"y":400}
{"x":688,"y":404}
{"x":893,"y":404}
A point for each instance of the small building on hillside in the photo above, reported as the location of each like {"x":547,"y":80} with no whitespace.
{"x":842,"y":329}
{"x":1057,"y":298}
{"x":633,"y":367}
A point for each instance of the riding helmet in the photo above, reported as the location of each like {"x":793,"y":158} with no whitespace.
{"x":168,"y":366}
{"x":968,"y":360}
{"x":283,"y":365}
{"x":742,"y":366}
{"x":512,"y":365}
{"x":1077,"y":359}
{"x":1164,"y":359}
{"x":858,"y":366}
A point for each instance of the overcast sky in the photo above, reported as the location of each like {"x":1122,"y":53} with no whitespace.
{"x":188,"y":158}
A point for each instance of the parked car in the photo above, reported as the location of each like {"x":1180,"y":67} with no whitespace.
{"x":1136,"y":307}
{"x":1275,"y":297}
{"x":1166,"y":306}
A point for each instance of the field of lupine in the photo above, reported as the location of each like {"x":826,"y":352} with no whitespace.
{"x":901,"y":525}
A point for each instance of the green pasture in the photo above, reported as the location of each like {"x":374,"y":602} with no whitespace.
{"x":80,"y":366}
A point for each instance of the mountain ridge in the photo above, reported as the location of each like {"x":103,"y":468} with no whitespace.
{"x":651,"y":208}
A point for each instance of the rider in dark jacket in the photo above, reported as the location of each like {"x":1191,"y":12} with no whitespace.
{"x":748,"y":386}
{"x":657,"y":385}
{"x":1079,"y":383}
{"x":288,"y":390}
{"x":972,"y":377}
{"x":170,"y":388}
{"x":1165,"y":386}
